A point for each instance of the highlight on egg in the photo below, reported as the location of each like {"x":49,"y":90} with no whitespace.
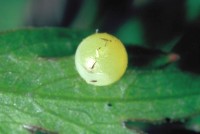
{"x":101,"y":59}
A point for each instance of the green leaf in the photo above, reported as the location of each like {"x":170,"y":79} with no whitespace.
{"x":193,"y":9}
{"x":39,"y":86}
{"x":194,"y":123}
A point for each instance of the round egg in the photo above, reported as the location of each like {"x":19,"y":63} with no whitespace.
{"x":101,"y":59}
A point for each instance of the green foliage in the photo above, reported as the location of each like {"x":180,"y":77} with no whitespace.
{"x":193,"y":9}
{"x":39,"y":86}
{"x":12,"y":13}
{"x":131,"y":32}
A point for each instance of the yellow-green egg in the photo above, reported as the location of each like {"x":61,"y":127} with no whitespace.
{"x":101,"y":59}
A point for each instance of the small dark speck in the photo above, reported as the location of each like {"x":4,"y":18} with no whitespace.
{"x":106,"y":39}
{"x":93,"y":81}
{"x":109,"y":105}
{"x":37,"y":130}
{"x":93,"y":65}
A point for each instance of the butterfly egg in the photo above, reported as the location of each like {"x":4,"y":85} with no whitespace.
{"x":101,"y":59}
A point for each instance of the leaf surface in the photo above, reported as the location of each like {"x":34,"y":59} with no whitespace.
{"x":39,"y":86}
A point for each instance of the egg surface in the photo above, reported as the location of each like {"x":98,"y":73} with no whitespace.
{"x":101,"y":59}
